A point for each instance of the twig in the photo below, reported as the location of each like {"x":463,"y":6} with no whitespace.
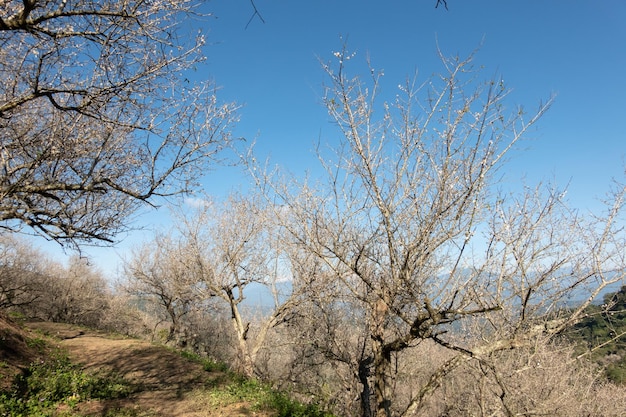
{"x":256,"y":13}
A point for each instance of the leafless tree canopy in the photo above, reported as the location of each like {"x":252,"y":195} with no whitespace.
{"x":218,"y":253}
{"x":96,"y":115}
{"x":410,"y":271}
{"x":35,"y":286}
{"x":409,"y":226}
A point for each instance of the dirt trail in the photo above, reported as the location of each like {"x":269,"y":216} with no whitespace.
{"x":169,"y":384}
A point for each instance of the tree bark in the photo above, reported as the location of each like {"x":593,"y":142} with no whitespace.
{"x":366,"y":392}
{"x":382,"y":375}
{"x":241,"y":330}
{"x":382,"y":360}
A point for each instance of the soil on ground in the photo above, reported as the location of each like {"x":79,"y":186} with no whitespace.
{"x":167,"y":384}
{"x":16,"y":354}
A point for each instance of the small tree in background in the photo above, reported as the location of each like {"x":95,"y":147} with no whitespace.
{"x":158,"y":278}
{"x":76,"y":293}
{"x":35,"y":286}
{"x":234,"y":250}
{"x":23,"y":273}
{"x":219,"y":254}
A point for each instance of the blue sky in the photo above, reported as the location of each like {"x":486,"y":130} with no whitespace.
{"x":574,"y":49}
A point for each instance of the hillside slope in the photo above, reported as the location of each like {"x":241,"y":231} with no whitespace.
{"x":17,"y":351}
{"x":167,"y":384}
{"x":156,"y":381}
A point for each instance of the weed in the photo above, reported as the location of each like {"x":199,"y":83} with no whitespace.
{"x":211,"y":366}
{"x":208,"y":364}
{"x":36,"y":343}
{"x":260,"y":396}
{"x":286,"y":407}
{"x":56,"y":381}
{"x":17,"y":317}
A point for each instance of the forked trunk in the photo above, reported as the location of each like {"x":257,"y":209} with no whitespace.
{"x":241,"y":330}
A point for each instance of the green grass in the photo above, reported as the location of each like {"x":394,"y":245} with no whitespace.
{"x":259,"y":397}
{"x":208,"y":364}
{"x":236,"y":388}
{"x":55,"y":386}
{"x":17,"y":316}
{"x":48,"y":384}
{"x":36,"y":343}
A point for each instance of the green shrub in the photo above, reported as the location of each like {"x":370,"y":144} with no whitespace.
{"x":36,"y":343}
{"x":263,"y":397}
{"x":600,"y":334}
{"x":286,"y":407}
{"x":17,"y":316}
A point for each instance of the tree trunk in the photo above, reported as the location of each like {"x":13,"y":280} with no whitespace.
{"x":382,"y":361}
{"x":173,"y":324}
{"x":382,"y":376}
{"x":366,"y":392}
{"x":241,"y":330}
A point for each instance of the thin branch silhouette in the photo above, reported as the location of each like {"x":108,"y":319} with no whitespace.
{"x":256,"y":13}
{"x":444,"y":2}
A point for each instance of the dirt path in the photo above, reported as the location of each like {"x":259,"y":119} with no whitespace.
{"x":169,"y":385}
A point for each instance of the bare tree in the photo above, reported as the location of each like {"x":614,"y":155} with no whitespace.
{"x":232,"y":248}
{"x":76,"y":293}
{"x":408,"y":222}
{"x":328,"y":358}
{"x":23,"y":273}
{"x":212,"y":260}
{"x":541,"y":378}
{"x":96,"y":115}
{"x":126,"y":316}
{"x":157,"y":274}
{"x":39,"y":287}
